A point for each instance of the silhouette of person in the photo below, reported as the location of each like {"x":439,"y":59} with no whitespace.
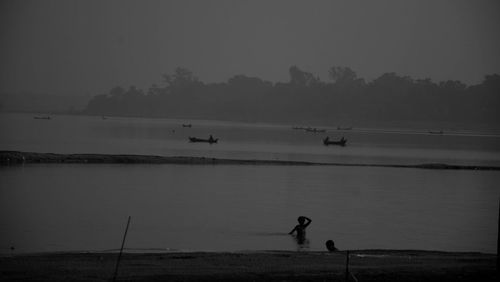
{"x":300,"y":229}
{"x":211,"y":138}
{"x":330,"y":246}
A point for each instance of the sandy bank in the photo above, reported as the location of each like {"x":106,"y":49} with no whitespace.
{"x":16,"y":157}
{"x":252,"y":266}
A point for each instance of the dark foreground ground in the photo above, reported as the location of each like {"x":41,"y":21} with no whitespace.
{"x":368,"y":265}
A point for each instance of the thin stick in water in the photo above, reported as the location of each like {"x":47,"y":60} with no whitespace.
{"x":121,"y":250}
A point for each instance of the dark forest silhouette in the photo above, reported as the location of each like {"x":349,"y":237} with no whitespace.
{"x":305,"y":98}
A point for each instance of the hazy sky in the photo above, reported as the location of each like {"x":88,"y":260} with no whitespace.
{"x":87,"y":47}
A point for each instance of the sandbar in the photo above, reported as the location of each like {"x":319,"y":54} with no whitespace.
{"x":17,"y":157}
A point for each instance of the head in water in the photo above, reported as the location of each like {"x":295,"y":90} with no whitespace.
{"x":330,"y":246}
{"x":301,"y":220}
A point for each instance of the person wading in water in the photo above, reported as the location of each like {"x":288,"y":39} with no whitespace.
{"x":300,"y":230}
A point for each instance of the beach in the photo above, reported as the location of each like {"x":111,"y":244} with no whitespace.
{"x":364,"y":265}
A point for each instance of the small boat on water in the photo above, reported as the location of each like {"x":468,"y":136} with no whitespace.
{"x":47,"y":117}
{"x":187,"y":125}
{"x":344,"y":128}
{"x":210,"y":140}
{"x":315,"y":130}
{"x":309,"y":129}
{"x":340,"y":142}
{"x":436,"y":132}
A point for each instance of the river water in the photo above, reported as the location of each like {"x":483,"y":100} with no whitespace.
{"x":63,"y":207}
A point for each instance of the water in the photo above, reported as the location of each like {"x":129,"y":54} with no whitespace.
{"x":56,"y":207}
{"x":82,"y":134}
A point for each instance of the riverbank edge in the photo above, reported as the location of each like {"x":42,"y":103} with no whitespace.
{"x":365,"y":265}
{"x":18,"y":157}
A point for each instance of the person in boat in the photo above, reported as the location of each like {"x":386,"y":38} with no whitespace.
{"x":330,"y":246}
{"x":211,"y":138}
{"x":300,"y":230}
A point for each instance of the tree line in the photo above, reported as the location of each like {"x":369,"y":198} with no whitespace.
{"x":345,"y":98}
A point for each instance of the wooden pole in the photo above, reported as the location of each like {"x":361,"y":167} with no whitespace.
{"x":121,"y":250}
{"x":347,"y":266}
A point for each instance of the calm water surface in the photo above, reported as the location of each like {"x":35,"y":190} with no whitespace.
{"x":396,"y":145}
{"x":184,"y":207}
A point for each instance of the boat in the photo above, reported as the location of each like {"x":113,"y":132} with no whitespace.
{"x":187,"y":125}
{"x":436,"y":132}
{"x":344,"y":128}
{"x":340,"y":142}
{"x":210,"y":140}
{"x":315,"y":130}
{"x":47,"y":117}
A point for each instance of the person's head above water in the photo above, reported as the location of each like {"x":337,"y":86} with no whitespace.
{"x":301,"y":220}
{"x":330,"y":246}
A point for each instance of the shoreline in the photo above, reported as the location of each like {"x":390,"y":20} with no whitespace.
{"x":365,"y":265}
{"x":18,"y":157}
{"x":132,"y":251}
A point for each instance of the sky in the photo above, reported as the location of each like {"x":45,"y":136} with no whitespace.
{"x":71,"y":47}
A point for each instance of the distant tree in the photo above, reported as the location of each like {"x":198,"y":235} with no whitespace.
{"x":117,"y":91}
{"x":392,"y":80}
{"x":342,"y":75}
{"x":99,"y":104}
{"x":391,"y":86}
{"x":302,"y":78}
{"x":424,"y":87}
{"x":243,"y":81}
{"x":492,"y":81}
{"x":452,"y":85}
{"x":133,"y":92}
{"x":182,"y":77}
{"x":305,"y":98}
{"x":488,"y":92}
{"x":426,"y":81}
{"x":154,"y":90}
